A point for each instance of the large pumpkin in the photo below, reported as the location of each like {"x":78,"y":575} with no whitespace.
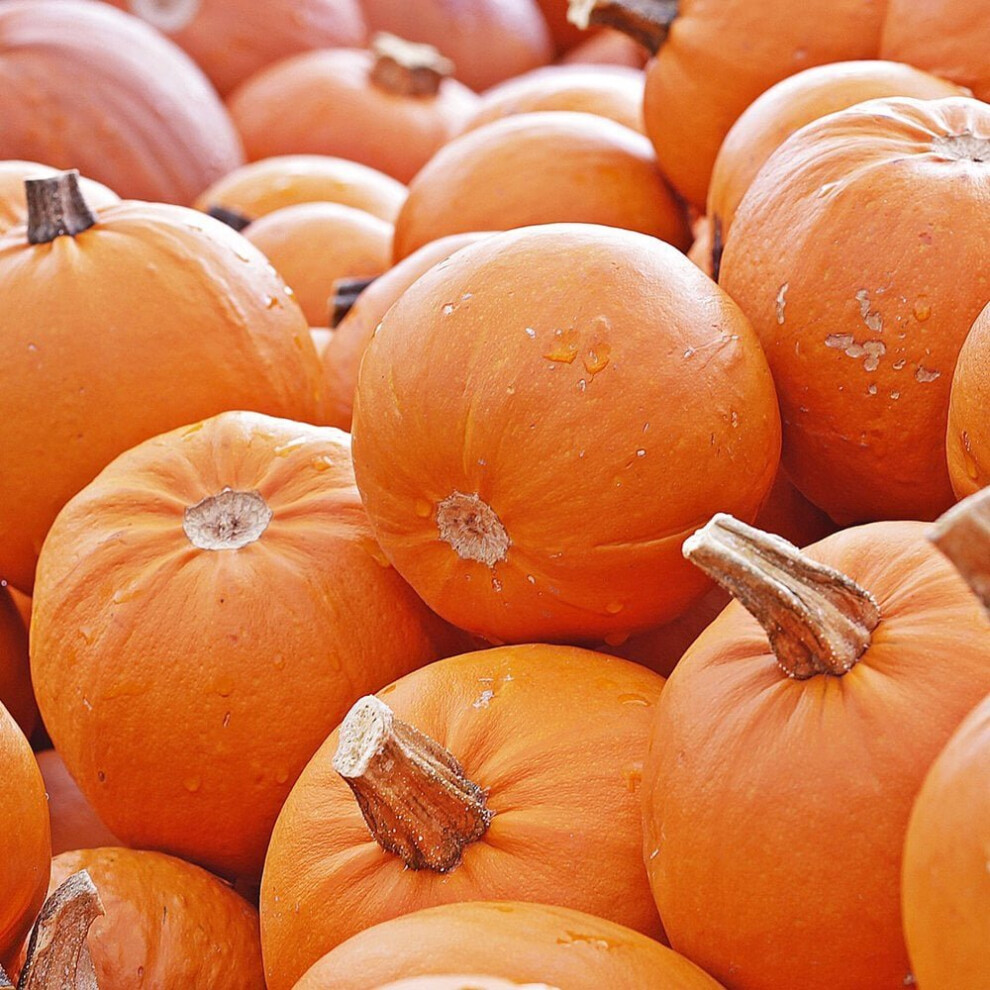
{"x":197,"y":323}
{"x":474,"y":787}
{"x":846,"y":254}
{"x":713,"y":59}
{"x":207,"y":609}
{"x":784,"y":762}
{"x":84,"y":86}
{"x":549,"y":167}
{"x":232,"y":39}
{"x":13,"y":202}
{"x":967,"y":438}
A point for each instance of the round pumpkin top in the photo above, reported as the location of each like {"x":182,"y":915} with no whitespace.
{"x":517,"y":941}
{"x":540,"y":729}
{"x":13,"y":202}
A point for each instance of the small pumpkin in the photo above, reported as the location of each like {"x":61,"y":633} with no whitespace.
{"x":548,"y":167}
{"x":85,"y":86}
{"x":13,"y":202}
{"x":390,"y":108}
{"x":967,"y":436}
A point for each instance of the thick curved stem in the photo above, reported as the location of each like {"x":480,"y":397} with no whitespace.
{"x":818,"y":620}
{"x":344,"y":295}
{"x":56,"y":207}
{"x":413,"y":794}
{"x":963,"y":535}
{"x":58,"y":954}
{"x":645,"y":21}
{"x":407,"y":69}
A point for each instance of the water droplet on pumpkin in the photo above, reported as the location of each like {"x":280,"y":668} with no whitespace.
{"x":424,"y":509}
{"x":32,"y":347}
{"x":192,"y":784}
{"x":279,"y":661}
{"x":634,"y":699}
{"x":225,"y":687}
{"x":87,"y":633}
{"x":281,"y":775}
{"x":614,"y":608}
{"x":271,"y":301}
{"x":922,"y":310}
{"x":322,"y":463}
{"x":616,"y":639}
{"x":563,"y":347}
{"x":448,"y":309}
{"x":597,"y":357}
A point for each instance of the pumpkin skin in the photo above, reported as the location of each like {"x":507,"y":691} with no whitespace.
{"x":259,"y":188}
{"x":525,"y":374}
{"x":775,"y":808}
{"x":232,"y":41}
{"x":345,"y":348}
{"x":487,"y":40}
{"x":614,"y":92}
{"x":83,"y":86}
{"x":215,"y":748}
{"x":945,"y":885}
{"x":796,"y":101}
{"x":967,"y":438}
{"x":548,"y":167}
{"x":198,"y":319}
{"x":538,"y":765}
{"x":863,"y":356}
{"x":608,"y":47}
{"x":16,"y":694}
{"x":517,"y":941}
{"x":946,"y":37}
{"x":326,"y":103}
{"x":13,"y":205}
{"x":313,"y":244}
{"x":461,"y":983}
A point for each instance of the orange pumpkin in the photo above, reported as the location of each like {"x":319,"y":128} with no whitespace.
{"x":345,"y":348}
{"x":473,"y":788}
{"x":13,"y":203}
{"x":461,"y":983}
{"x":781,"y":774}
{"x":862,"y":342}
{"x":517,"y":941}
{"x":542,"y":418}
{"x":487,"y":40}
{"x":25,"y":837}
{"x":84,"y":86}
{"x":794,"y":102}
{"x":198,"y":322}
{"x":227,"y":522}
{"x":313,"y":244}
{"x":711,"y":60}
{"x":946,"y":37}
{"x":254,"y":190}
{"x":541,"y":168}
{"x":967,"y":438}
{"x":16,"y":694}
{"x":390,"y":109}
{"x":614,"y":92}
{"x":230,"y":41}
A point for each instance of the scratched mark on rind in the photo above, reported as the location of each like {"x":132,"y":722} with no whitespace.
{"x":781,"y":302}
{"x":871,"y":317}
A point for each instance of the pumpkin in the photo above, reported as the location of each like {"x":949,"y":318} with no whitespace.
{"x":712,"y":60}
{"x":614,"y":92}
{"x":313,"y":244}
{"x":467,"y":785}
{"x":487,"y":40}
{"x":540,"y":421}
{"x":390,"y":108}
{"x":945,"y":883}
{"x":13,"y":203}
{"x":547,"y":168}
{"x":74,"y":823}
{"x":794,"y":102}
{"x":16,"y":694}
{"x":607,"y":47}
{"x":946,"y":37}
{"x":198,"y":322}
{"x":967,"y":438}
{"x":516,"y":941}
{"x":231,"y":41}
{"x":461,"y":983}
{"x":84,"y":86}
{"x":254,"y":190}
{"x":25,"y":837}
{"x":345,"y":348}
{"x":862,"y":341}
{"x":789,"y":744}
{"x":226,"y":522}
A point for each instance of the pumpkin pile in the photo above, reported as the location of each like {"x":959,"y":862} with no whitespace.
{"x":494,"y":494}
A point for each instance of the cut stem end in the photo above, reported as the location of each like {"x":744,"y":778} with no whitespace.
{"x":228,"y":520}
{"x":645,"y":21}
{"x":56,"y":208}
{"x":472,"y":528}
{"x":963,"y":535}
{"x":407,"y":69}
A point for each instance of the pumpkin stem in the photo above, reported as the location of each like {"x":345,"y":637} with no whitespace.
{"x":818,"y":620}
{"x":228,"y":520}
{"x":645,"y":21}
{"x":407,"y":69}
{"x":963,"y":535}
{"x":232,"y":218}
{"x":413,"y":793}
{"x":166,"y":15}
{"x":56,"y":206}
{"x":58,"y":954}
{"x":345,"y":294}
{"x":471,"y":526}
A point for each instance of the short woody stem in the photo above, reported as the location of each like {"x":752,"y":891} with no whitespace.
{"x":56,"y":207}
{"x":345,"y":294}
{"x":413,"y":794}
{"x":407,"y":69}
{"x":232,"y":218}
{"x":645,"y":21}
{"x":58,"y":954}
{"x":818,"y":620}
{"x":963,"y":535}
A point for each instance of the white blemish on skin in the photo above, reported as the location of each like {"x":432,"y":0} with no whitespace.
{"x":484,"y":699}
{"x":871,"y":317}
{"x":689,"y":352}
{"x":781,"y":301}
{"x":530,"y":332}
{"x":924,"y":375}
{"x":897,"y":365}
{"x":895,"y":395}
{"x":872,"y":390}
{"x":870,"y":350}
{"x":839,"y":341}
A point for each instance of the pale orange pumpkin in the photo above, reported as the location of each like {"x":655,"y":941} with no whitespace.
{"x":967,"y":436}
